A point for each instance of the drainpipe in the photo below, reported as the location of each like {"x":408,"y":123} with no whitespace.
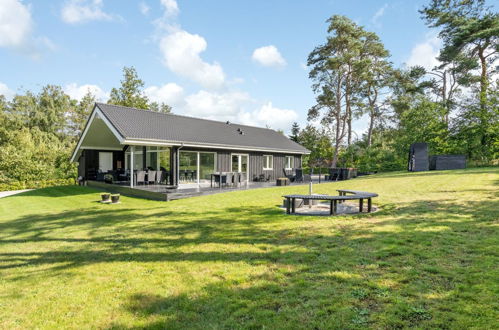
{"x":178,"y":162}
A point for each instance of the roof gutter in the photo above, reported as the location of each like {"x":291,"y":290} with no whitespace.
{"x":152,"y":142}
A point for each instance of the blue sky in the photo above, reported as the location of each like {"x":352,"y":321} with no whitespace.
{"x":228,"y":60}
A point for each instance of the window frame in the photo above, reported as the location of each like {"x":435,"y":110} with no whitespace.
{"x":290,"y":162}
{"x":265,"y":163}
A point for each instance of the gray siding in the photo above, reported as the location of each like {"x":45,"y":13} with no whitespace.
{"x":224,"y":162}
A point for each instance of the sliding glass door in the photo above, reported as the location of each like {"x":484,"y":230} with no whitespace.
{"x":240,"y":163}
{"x":196,"y":167}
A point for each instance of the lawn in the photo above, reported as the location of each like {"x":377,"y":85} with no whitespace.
{"x":428,"y":259}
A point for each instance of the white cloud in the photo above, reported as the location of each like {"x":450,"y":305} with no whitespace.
{"x":6,"y":91}
{"x":268,"y":115}
{"x":217,"y":106}
{"x":171,"y":7}
{"x":144,"y":8}
{"x":16,"y":30}
{"x":181,"y":54}
{"x":77,"y":92}
{"x":238,"y":107}
{"x":80,"y":11}
{"x":268,"y":56}
{"x":425,"y":53}
{"x":379,"y":13}
{"x":16,"y":24}
{"x":171,"y":94}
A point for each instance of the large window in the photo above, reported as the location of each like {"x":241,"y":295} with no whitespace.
{"x":206,"y":165}
{"x":188,"y":166}
{"x":196,"y":167}
{"x":289,"y":162}
{"x":157,"y":158}
{"x":268,"y":162}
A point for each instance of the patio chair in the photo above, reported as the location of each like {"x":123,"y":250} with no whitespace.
{"x":299,"y":175}
{"x":152,"y":177}
{"x":140,"y":177}
{"x":236,"y":178}
{"x":228,"y":179}
{"x":182,"y":175}
{"x":242,"y":178}
{"x":291,"y":177}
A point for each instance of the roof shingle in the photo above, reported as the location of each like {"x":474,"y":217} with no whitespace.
{"x":140,"y":124}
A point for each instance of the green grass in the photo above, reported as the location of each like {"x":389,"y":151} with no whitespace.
{"x":428,"y":259}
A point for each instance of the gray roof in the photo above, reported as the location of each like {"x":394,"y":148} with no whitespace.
{"x":140,"y":124}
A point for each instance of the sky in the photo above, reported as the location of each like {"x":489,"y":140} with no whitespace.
{"x":242,"y":61}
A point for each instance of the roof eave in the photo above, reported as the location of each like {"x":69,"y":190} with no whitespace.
{"x":139,"y":141}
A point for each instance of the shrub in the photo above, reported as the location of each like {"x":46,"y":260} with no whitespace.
{"x":19,"y":185}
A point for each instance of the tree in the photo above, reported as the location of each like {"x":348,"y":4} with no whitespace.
{"x":375,"y":75}
{"x":318,"y":142}
{"x":163,"y":107}
{"x":295,"y":131}
{"x":130,"y":93}
{"x":79,"y":114}
{"x":337,"y":72}
{"x":469,"y":29}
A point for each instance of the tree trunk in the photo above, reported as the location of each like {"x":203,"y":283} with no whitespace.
{"x":444,"y":98}
{"x":370,"y":129}
{"x":483,"y":96}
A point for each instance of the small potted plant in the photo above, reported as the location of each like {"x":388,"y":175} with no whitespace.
{"x":105,"y":197}
{"x":108,"y":178}
{"x":115,"y":198}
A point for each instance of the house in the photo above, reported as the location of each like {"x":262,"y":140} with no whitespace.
{"x":187,"y":150}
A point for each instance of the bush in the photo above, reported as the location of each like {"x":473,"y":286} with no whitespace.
{"x":19,"y":185}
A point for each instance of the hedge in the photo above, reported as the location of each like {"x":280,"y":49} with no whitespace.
{"x":19,"y":185}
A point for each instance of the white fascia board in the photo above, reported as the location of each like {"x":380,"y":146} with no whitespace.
{"x":139,"y":142}
{"x":100,"y":148}
{"x":109,"y":125}
{"x":95,"y":111}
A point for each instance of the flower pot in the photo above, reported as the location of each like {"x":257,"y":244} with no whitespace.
{"x":115,"y":198}
{"x":105,"y":197}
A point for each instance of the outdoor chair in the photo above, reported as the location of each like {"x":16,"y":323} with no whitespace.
{"x":182,"y":174}
{"x":228,"y":178}
{"x":242,"y":178}
{"x":299,"y":175}
{"x":140,"y":177}
{"x":152,"y":177}
{"x":291,"y":177}
{"x":163,"y":176}
{"x":236,"y":179}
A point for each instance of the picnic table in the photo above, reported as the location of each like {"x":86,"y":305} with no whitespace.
{"x":345,"y":194}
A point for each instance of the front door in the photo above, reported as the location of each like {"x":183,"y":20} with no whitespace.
{"x":240,"y":164}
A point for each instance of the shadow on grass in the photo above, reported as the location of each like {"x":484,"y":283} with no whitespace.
{"x":384,"y":271}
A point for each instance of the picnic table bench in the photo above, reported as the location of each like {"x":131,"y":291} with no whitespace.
{"x":344,"y":194}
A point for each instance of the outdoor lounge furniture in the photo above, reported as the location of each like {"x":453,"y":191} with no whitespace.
{"x":333,"y":200}
{"x":140,"y":177}
{"x":290,"y":176}
{"x":302,"y":177}
{"x":151,"y":177}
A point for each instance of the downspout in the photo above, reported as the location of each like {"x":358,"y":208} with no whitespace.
{"x":178,"y":163}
